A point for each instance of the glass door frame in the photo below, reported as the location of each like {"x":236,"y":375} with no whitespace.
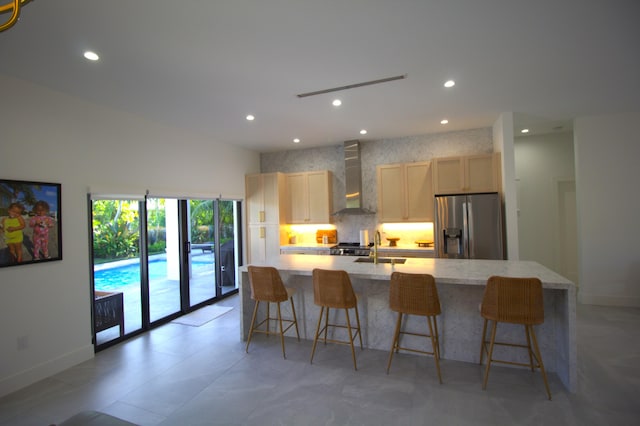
{"x":184,"y":238}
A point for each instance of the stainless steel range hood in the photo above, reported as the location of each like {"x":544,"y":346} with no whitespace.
{"x":353,"y":180}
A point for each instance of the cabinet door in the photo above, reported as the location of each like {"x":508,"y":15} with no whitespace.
{"x":257,"y":247}
{"x":481,"y":173}
{"x":272,"y":189}
{"x":263,"y":197}
{"x":254,"y":198}
{"x":391,"y":197}
{"x":264,"y":242}
{"x":297,"y":198}
{"x":309,"y":197}
{"x":419,"y":192}
{"x":318,"y":196}
{"x":449,"y":175}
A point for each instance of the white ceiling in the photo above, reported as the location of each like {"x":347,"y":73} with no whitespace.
{"x":204,"y":65}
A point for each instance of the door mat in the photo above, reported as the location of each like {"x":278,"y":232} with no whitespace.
{"x":202,"y":315}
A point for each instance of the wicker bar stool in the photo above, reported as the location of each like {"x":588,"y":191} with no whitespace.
{"x":516,"y":301}
{"x":267,"y":286}
{"x":415,"y":294}
{"x":333,"y":289}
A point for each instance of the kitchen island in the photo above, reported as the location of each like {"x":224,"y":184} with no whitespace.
{"x":460,"y":284}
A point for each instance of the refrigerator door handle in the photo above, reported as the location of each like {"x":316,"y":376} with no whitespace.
{"x":468,"y":217}
{"x":468,"y":229}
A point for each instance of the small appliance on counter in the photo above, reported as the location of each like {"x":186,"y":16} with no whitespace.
{"x":364,"y":238}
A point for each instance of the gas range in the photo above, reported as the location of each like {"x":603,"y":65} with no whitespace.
{"x":350,"y":249}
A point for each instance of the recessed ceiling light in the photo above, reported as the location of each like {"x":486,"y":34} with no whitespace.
{"x":444,"y":121}
{"x":250,"y":117}
{"x":449,"y":83}
{"x":296,"y":140}
{"x":363,"y":132}
{"x":336,"y":102}
{"x":524,"y":131}
{"x":92,"y":56}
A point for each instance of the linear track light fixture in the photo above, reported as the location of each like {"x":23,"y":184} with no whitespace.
{"x":353,"y":86}
{"x":14,"y":7}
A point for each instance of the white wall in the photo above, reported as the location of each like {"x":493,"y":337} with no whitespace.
{"x":48,"y":136}
{"x":607,"y":151}
{"x":543,"y":162}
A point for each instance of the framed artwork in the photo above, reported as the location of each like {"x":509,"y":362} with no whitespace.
{"x":30,"y":222}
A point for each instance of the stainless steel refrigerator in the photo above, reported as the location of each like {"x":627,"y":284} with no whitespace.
{"x":469,"y":226}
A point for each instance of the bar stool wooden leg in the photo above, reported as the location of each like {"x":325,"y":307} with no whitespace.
{"x":526,"y":332}
{"x":435,"y":324}
{"x":253,"y":322}
{"x":315,"y":339}
{"x":539,"y":358}
{"x":490,"y":354}
{"x":326,"y":325}
{"x":359,"y":329}
{"x":281,"y":332}
{"x":394,"y":344}
{"x":434,"y":347}
{"x":351,"y":337}
{"x":268,"y":318}
{"x":484,"y":341}
{"x":293,"y":310}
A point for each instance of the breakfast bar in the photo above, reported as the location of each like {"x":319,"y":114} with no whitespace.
{"x":460,"y":284}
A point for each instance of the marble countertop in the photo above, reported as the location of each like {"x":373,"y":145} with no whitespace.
{"x":445,"y":271}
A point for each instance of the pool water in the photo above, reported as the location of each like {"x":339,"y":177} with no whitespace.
{"x":110,"y":279}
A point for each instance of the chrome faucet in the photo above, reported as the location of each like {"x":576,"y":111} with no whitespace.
{"x":376,"y":244}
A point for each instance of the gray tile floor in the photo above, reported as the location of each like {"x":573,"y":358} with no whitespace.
{"x":182,"y":375}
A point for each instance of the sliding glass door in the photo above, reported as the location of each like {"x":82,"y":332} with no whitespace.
{"x":163,"y":257}
{"x":201,"y":271}
{"x":160,"y":258}
{"x":212,"y":245}
{"x":117,"y":283}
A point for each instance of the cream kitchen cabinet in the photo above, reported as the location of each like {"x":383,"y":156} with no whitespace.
{"x":309,"y":197}
{"x":469,"y":174}
{"x":264,"y":242}
{"x":405,"y":192}
{"x":265,"y":198}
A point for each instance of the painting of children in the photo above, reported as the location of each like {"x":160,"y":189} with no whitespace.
{"x":12,"y":227}
{"x":29,"y":222}
{"x":41,"y":223}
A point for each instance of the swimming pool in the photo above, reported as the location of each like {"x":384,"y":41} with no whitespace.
{"x":109,"y":279}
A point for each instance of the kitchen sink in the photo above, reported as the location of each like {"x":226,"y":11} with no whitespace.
{"x":381,"y":260}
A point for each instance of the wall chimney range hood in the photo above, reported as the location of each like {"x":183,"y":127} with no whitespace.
{"x":353,"y":180}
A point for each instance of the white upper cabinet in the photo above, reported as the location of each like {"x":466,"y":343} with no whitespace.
{"x":405,"y":192}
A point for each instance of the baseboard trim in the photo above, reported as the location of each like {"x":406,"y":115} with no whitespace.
{"x":46,"y":369}
{"x":595,"y":299}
